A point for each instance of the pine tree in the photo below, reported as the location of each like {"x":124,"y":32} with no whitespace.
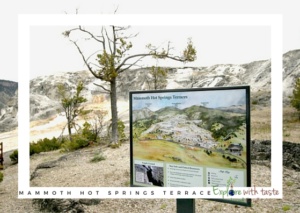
{"x":295,"y":98}
{"x":72,"y":105}
{"x":158,"y":78}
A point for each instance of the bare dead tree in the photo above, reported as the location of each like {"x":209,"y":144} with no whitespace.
{"x":113,"y":58}
{"x":98,"y":123}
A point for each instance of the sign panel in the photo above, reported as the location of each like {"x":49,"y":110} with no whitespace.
{"x":191,"y":138}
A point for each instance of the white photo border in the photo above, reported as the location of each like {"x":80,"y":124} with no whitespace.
{"x":26,"y":21}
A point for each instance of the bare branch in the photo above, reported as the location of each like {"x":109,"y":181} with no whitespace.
{"x":92,"y":35}
{"x":114,"y":40}
{"x":107,"y":90}
{"x":103,"y":43}
{"x":130,"y":65}
{"x":88,"y":58}
{"x":96,"y":65}
{"x":131,"y":57}
{"x":130,"y":36}
{"x":176,"y":58}
{"x":154,"y":54}
{"x":80,"y":28}
{"x":82,"y":55}
{"x":116,"y":10}
{"x":109,"y":41}
{"x":86,"y":62}
{"x":119,"y":28}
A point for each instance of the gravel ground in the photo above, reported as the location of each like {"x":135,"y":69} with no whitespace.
{"x":75,"y":169}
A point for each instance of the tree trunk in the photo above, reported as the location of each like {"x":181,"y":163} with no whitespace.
{"x":69,"y":130}
{"x":114,"y":111}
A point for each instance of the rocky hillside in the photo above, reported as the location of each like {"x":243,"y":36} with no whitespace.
{"x":7,"y":89}
{"x":291,"y":71}
{"x":44,"y":100}
{"x":8,"y":105}
{"x":261,"y":152}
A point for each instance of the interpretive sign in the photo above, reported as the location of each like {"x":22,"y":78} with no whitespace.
{"x":191,"y":138}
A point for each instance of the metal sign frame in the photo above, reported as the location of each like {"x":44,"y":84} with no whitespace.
{"x":158,"y":100}
{"x":1,"y":156}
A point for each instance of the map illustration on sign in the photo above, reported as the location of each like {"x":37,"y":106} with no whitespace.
{"x":195,"y":137}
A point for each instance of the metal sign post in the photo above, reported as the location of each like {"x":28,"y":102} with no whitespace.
{"x":1,"y":156}
{"x":185,"y":205}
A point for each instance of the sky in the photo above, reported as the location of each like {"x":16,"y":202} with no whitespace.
{"x":9,"y":21}
{"x":214,"y":45}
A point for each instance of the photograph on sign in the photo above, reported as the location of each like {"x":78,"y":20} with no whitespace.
{"x":191,"y":138}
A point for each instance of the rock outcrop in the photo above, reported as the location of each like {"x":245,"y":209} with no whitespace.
{"x":261,"y":151}
{"x":64,"y":205}
{"x":8,"y":105}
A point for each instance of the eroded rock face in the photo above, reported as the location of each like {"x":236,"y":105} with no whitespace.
{"x":64,"y":205}
{"x":8,"y":105}
{"x":44,"y":99}
{"x":42,"y":107}
{"x":261,"y":151}
{"x":59,"y":205}
{"x":291,"y":157}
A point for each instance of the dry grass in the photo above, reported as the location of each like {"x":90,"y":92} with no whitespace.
{"x":261,"y":124}
{"x":291,"y":125}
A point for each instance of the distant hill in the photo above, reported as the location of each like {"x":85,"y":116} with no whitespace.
{"x":234,"y":109}
{"x":45,"y":101}
{"x":7,"y":91}
{"x":291,"y":71}
{"x":168,"y":111}
{"x":8,"y":105}
{"x":141,"y":114}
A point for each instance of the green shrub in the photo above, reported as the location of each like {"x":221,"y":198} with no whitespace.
{"x":114,"y":146}
{"x":286,"y":208}
{"x":77,"y":142}
{"x":219,"y":133}
{"x":88,"y":133}
{"x":1,"y":177}
{"x":289,"y":183}
{"x":45,"y":145}
{"x":163,"y":206}
{"x":14,"y":156}
{"x":81,"y":142}
{"x":49,"y":144}
{"x":97,"y":158}
{"x":295,"y":98}
{"x":121,"y":132}
{"x":35,"y":148}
